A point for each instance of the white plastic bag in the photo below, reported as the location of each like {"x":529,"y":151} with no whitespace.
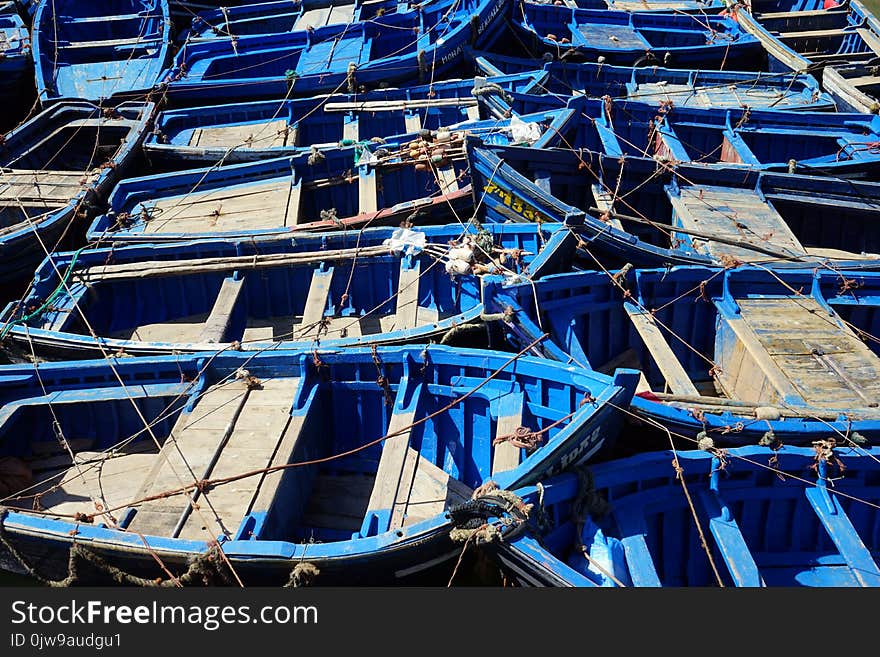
{"x":406,"y":241}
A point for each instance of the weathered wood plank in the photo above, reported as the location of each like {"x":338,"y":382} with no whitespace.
{"x":253,"y":206}
{"x":433,"y":492}
{"x":294,"y":200}
{"x":218,"y":320}
{"x":406,"y":316}
{"x":185,"y":457}
{"x":870,"y":38}
{"x":510,"y":418}
{"x":807,"y":353}
{"x":265,"y":134}
{"x":268,"y":485}
{"x":368,"y":195}
{"x":397,"y":465}
{"x":111,"y":480}
{"x":604,"y":200}
{"x":676,"y":377}
{"x":733,"y":214}
{"x":259,"y":429}
{"x":316,"y":302}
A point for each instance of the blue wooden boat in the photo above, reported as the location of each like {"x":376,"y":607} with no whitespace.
{"x":638,"y":211}
{"x":640,"y":6}
{"x":841,"y":43}
{"x":184,"y":11}
{"x":816,"y":143}
{"x":423,"y":44}
{"x":267,"y":18}
{"x":376,"y":286}
{"x":422,"y":179}
{"x":55,"y":169}
{"x":25,"y":7}
{"x":787,"y":517}
{"x":95,"y":51}
{"x":15,"y":59}
{"x":365,"y":451}
{"x":638,"y":39}
{"x":239,"y":132}
{"x":780,"y":91}
{"x":741,"y":356}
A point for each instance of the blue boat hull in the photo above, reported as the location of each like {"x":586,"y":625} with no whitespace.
{"x":265,"y":532}
{"x":589,"y":324}
{"x":50,"y":139}
{"x":359,"y":273}
{"x":638,"y":39}
{"x":767,"y":519}
{"x":116,"y":50}
{"x":824,"y":212}
{"x":308,"y":64}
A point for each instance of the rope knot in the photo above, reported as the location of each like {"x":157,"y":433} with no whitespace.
{"x":770,"y":440}
{"x":329,"y":215}
{"x":522,"y":437}
{"x":704,"y":442}
{"x":250,"y":381}
{"x":471,"y":519}
{"x":315,"y":156}
{"x":303,"y":574}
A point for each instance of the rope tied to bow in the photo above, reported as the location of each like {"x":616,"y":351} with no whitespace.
{"x":471,"y":519}
{"x":522,"y":437}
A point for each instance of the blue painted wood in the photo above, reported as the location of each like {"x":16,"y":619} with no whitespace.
{"x":857,"y":556}
{"x":590,"y":328}
{"x":779,"y":91}
{"x":270,"y":295}
{"x":399,"y":47}
{"x":333,"y":384}
{"x":638,"y":39}
{"x":821,"y":212}
{"x":729,"y":539}
{"x":77,"y":154}
{"x":116,"y":48}
{"x":647,"y":510}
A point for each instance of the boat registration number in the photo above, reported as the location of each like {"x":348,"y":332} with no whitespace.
{"x":515,"y":203}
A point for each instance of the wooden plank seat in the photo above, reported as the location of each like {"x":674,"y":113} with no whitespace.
{"x":734,"y":214}
{"x":676,"y":377}
{"x":316,"y":304}
{"x":218,"y":320}
{"x":230,"y":429}
{"x":792,"y":350}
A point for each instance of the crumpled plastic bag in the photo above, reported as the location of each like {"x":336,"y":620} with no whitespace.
{"x":523,"y":132}
{"x":406,"y":241}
